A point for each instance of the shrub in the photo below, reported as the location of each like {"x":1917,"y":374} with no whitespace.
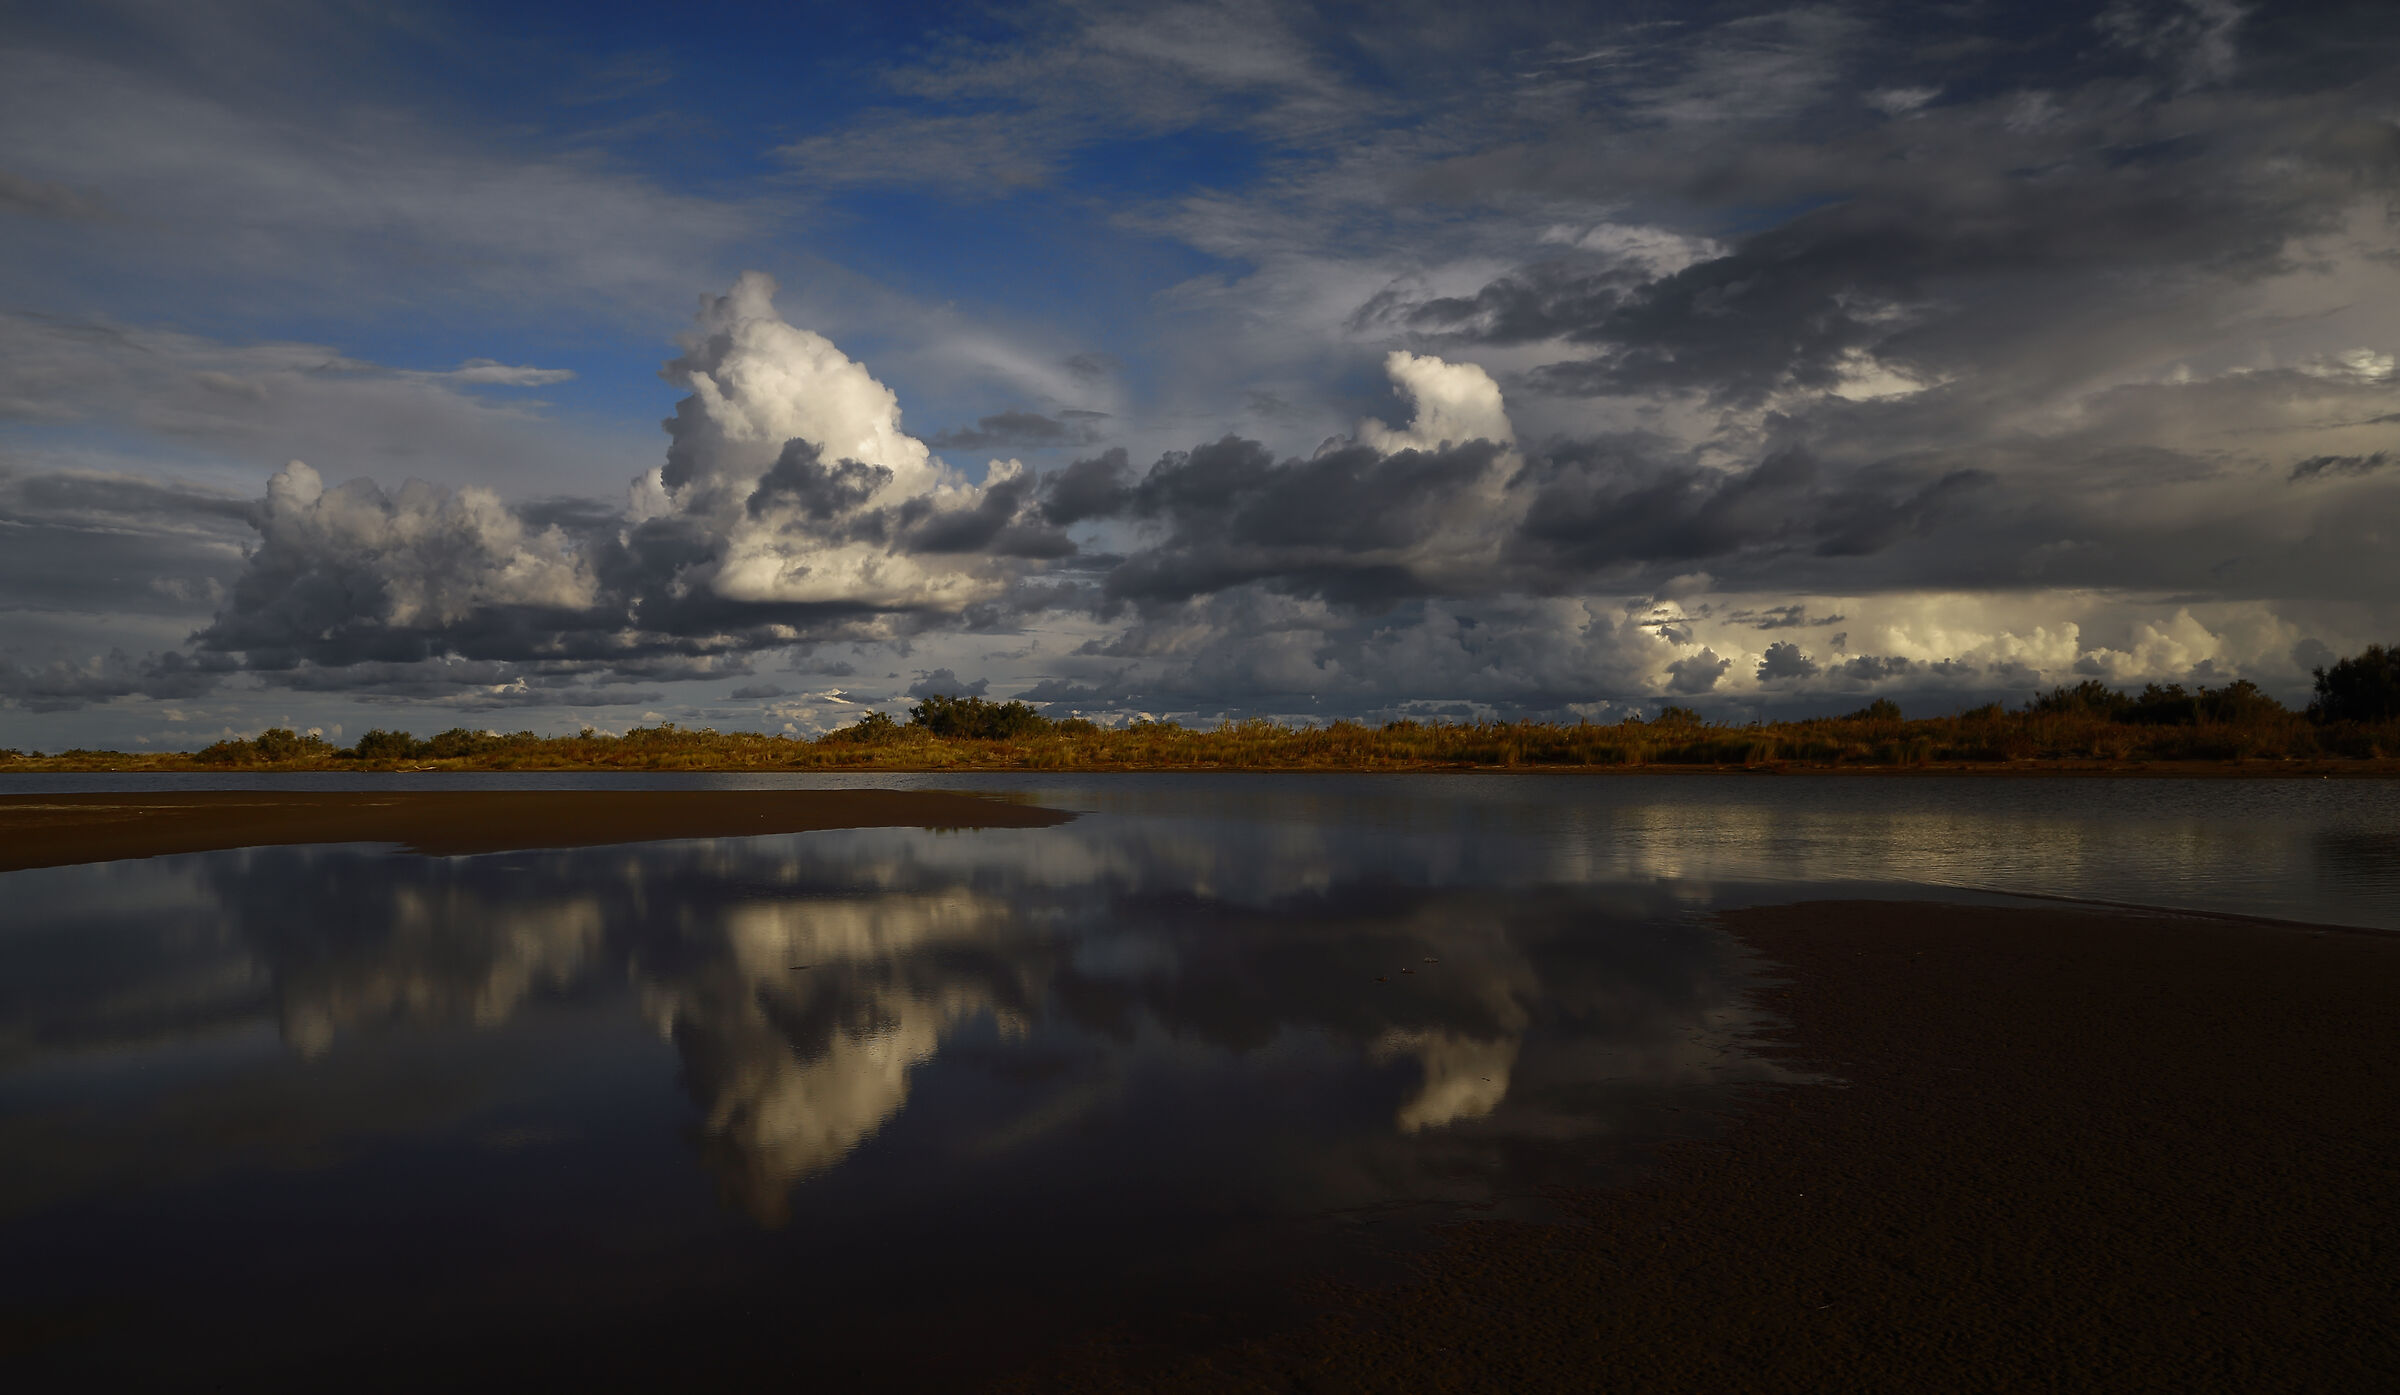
{"x":975,"y":719}
{"x":2162,"y":705}
{"x":2091,"y":697}
{"x":459,"y":742}
{"x":2239,"y":703}
{"x":873,"y":729}
{"x":1880,"y":710}
{"x":2362,"y":688}
{"x":388,"y":745}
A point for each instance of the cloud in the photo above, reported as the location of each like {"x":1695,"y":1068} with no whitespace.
{"x":791,"y":507}
{"x":1697,"y":673}
{"x":1783,"y":662}
{"x":1021,"y":430}
{"x":1785,"y":617}
{"x":1993,"y":355}
{"x":2326,"y":466}
{"x":941,"y":682}
{"x":21,"y":195}
{"x":996,"y":112}
{"x":61,"y":686}
{"x":1095,"y":488}
{"x":210,"y":172}
{"x":262,"y":402}
{"x":1902,"y":101}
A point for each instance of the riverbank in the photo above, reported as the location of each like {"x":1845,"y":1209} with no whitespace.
{"x":2067,"y":1149}
{"x":51,"y":830}
{"x":979,"y":763}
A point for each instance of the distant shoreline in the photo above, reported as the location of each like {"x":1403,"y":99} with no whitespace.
{"x":2246,"y":769}
{"x":59,"y":830}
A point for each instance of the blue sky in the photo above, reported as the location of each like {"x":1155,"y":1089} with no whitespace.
{"x":1207,"y":359}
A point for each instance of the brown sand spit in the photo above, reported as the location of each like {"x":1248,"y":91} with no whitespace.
{"x":53,"y":830}
{"x":2071,"y":1151}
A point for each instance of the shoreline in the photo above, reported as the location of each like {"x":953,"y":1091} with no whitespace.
{"x":56,"y":830}
{"x":2059,"y":1147}
{"x":2385,"y":768}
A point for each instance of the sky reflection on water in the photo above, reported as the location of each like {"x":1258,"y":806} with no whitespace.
{"x":512,"y":1097}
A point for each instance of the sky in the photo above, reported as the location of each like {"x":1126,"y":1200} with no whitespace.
{"x":414,"y":366}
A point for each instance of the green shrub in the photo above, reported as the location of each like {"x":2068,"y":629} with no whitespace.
{"x":873,"y":729}
{"x":389,"y":745}
{"x":458,"y":743}
{"x":975,"y":719}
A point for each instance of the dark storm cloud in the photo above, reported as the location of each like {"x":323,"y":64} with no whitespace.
{"x":424,"y":590}
{"x":1784,"y":662}
{"x":1873,"y":668}
{"x":2071,"y":187}
{"x":78,"y":542}
{"x":2323,"y":466}
{"x":1784,"y":617}
{"x":1348,"y":522}
{"x":992,"y":527}
{"x":1095,"y":488}
{"x":1598,"y":504}
{"x":1021,"y":430}
{"x":61,"y":686}
{"x":1696,"y":674}
{"x":801,"y":480}
{"x":941,"y":682}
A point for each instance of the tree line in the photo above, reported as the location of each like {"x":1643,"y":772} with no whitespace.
{"x":2354,"y":713}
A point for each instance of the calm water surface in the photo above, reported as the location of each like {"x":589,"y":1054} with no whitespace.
{"x":887,"y":1106}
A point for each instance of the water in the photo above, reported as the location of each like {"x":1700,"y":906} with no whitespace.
{"x":897,"y":1106}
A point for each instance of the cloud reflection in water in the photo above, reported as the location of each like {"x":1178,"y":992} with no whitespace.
{"x":1330,"y":1017}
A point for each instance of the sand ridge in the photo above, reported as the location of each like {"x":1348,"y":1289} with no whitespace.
{"x":61,"y":829}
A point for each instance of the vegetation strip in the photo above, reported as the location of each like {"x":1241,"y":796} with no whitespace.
{"x":2353,"y":726}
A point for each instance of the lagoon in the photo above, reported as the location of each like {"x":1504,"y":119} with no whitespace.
{"x":721,"y":1105}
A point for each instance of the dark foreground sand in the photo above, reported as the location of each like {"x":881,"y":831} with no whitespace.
{"x":2073,"y":1151}
{"x":52,"y":830}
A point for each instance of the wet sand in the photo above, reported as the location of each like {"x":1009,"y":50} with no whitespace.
{"x":55,"y":830}
{"x":2068,"y":1150}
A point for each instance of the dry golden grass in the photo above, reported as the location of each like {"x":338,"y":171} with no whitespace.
{"x":1992,"y":738}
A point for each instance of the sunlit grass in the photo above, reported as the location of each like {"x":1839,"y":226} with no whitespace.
{"x":1878,"y":738}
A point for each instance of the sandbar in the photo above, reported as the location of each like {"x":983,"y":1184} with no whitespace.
{"x":50,"y":830}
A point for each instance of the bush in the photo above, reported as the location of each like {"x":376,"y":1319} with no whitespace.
{"x":2362,"y":688}
{"x":2091,"y":698}
{"x":2239,"y":703}
{"x":1880,"y":710}
{"x":459,"y":742}
{"x":388,"y":745}
{"x":974,"y":719}
{"x":1075,"y":726}
{"x":2166,"y":705}
{"x":873,"y":729}
{"x":275,"y":744}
